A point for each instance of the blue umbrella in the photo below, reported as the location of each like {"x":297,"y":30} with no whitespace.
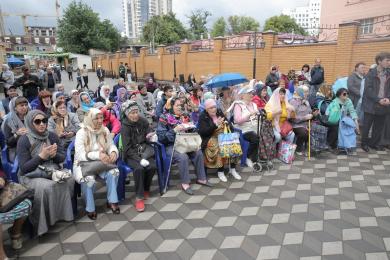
{"x":226,"y":80}
{"x":340,"y":83}
{"x":14,"y":61}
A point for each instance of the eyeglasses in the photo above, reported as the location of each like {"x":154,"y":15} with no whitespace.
{"x":344,"y":94}
{"x":40,"y":121}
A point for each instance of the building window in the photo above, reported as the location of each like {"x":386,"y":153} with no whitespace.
{"x":366,"y":25}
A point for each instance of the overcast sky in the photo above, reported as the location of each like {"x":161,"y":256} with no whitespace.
{"x":112,"y":10}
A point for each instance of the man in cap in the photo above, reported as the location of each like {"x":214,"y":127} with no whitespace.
{"x":100,"y":73}
{"x":29,"y":83}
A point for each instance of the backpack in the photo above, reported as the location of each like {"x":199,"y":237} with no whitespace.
{"x":333,"y":112}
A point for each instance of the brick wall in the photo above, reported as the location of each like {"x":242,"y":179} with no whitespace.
{"x":338,"y":58}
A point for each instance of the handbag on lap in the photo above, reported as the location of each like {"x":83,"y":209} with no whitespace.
{"x":12,"y":194}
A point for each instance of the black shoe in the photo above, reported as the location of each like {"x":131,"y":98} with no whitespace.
{"x":365,"y":148}
{"x":378,"y":148}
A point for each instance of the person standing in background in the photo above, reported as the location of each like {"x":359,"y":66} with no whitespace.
{"x":355,"y":81}
{"x":122,"y":71}
{"x":100,"y":73}
{"x":317,"y":75}
{"x":84,"y":74}
{"x":69,"y":69}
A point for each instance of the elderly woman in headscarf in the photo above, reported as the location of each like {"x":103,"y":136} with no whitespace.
{"x":74,"y":102}
{"x":86,"y":104}
{"x":245,"y":118}
{"x":65,"y":124}
{"x":279,"y":111}
{"x":40,"y":151}
{"x":94,"y":143}
{"x":104,"y":94}
{"x":13,"y":126}
{"x":212,"y":122}
{"x":170,"y":123}
{"x":137,"y":151}
{"x":121,"y":97}
{"x":303,"y":114}
{"x":7,"y":76}
{"x":58,"y":96}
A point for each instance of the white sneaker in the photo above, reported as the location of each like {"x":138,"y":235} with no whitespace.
{"x":222,"y":176}
{"x":249,"y":163}
{"x":235,"y":174}
{"x":17,"y":243}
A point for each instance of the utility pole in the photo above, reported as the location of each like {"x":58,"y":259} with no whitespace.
{"x":254,"y":55}
{"x":174,"y":60}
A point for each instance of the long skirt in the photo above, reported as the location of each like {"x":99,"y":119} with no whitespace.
{"x":19,"y":211}
{"x":52,"y":202}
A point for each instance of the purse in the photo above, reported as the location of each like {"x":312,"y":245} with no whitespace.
{"x":12,"y":194}
{"x":285,"y":128}
{"x":229,"y":144}
{"x":187,"y":142}
{"x":89,"y":168}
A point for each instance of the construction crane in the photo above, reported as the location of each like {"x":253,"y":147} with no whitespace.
{"x":24,"y":18}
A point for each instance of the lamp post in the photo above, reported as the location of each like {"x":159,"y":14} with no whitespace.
{"x":174,"y":60}
{"x":135,"y":71}
{"x":254,"y":55}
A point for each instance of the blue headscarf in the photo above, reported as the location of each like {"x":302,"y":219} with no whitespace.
{"x":84,"y":106}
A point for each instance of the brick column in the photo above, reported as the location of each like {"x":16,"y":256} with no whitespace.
{"x":160,"y":57}
{"x":141,"y":62}
{"x":347,"y":35}
{"x":218,"y":46}
{"x":265,"y":60}
{"x":184,"y":48}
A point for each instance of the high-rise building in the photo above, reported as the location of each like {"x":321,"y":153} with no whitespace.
{"x":308,"y":17}
{"x":137,"y":12}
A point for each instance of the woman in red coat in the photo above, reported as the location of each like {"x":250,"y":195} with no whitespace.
{"x":261,"y":98}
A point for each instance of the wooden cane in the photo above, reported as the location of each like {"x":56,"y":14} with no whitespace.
{"x":309,"y":139}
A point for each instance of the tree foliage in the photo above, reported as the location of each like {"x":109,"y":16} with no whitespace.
{"x":197,"y":21}
{"x":166,"y":29}
{"x":239,"y":24}
{"x":283,"y":24}
{"x":80,"y":29}
{"x":219,"y":27}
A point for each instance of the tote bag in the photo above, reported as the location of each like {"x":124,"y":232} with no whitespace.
{"x":229,"y":144}
{"x":187,"y":142}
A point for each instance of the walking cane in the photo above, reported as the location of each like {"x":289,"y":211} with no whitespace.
{"x":309,"y":139}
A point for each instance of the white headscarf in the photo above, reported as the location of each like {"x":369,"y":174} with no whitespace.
{"x":274,"y":106}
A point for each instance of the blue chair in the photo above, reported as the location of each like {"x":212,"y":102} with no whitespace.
{"x":34,"y":104}
{"x":124,"y":169}
{"x":162,"y":167}
{"x":244,"y":146}
{"x":10,"y":168}
{"x":68,"y":164}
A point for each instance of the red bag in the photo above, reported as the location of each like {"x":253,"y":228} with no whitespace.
{"x":285,"y":128}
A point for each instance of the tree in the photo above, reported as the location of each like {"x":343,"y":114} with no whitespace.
{"x":239,"y":24}
{"x":198,"y":21}
{"x":80,"y":29}
{"x":165,"y":29}
{"x":219,"y":27}
{"x":284,"y":24}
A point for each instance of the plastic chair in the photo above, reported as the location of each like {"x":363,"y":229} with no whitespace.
{"x":10,"y":168}
{"x":244,"y":146}
{"x":162,"y":167}
{"x":68,"y":164}
{"x":124,"y":169}
{"x":34,"y":104}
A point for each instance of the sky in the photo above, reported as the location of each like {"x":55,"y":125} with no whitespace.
{"x":112,"y":10}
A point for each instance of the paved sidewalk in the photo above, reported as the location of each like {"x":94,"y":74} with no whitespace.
{"x":334,"y":207}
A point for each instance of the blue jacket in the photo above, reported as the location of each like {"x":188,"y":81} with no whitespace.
{"x":160,"y":106}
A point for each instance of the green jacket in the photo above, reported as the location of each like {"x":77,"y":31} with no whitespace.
{"x":335,"y":108}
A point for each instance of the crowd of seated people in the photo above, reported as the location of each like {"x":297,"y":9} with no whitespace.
{"x":38,"y":133}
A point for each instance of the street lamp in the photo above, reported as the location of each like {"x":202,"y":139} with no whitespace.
{"x":174,"y":60}
{"x":254,"y":55}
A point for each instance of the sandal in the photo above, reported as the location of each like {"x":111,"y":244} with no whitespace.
{"x":207,"y":183}
{"x":114,"y":208}
{"x":17,"y":241}
{"x":188,"y":190}
{"x":92,"y":215}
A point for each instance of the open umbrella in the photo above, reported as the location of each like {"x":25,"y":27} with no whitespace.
{"x":14,"y":61}
{"x":340,"y":83}
{"x":226,"y":80}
